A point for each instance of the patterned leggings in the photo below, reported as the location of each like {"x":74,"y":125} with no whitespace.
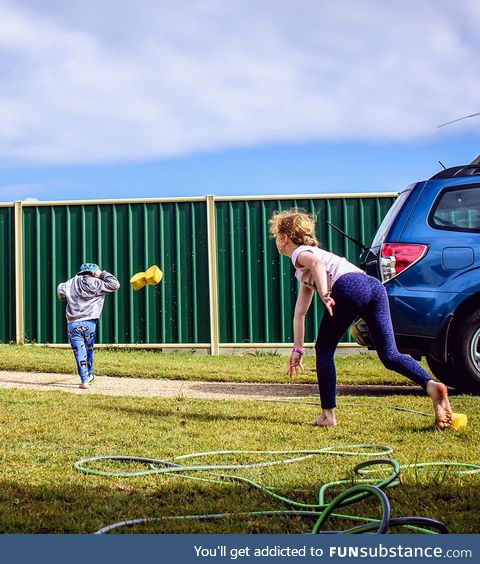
{"x":359,"y":294}
{"x":81,"y":335}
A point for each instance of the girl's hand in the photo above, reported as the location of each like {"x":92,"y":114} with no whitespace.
{"x":96,"y":273}
{"x":329,"y":303}
{"x":295,"y":363}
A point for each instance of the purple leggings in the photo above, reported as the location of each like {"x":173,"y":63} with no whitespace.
{"x":357,"y":294}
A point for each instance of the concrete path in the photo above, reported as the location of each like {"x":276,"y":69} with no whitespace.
{"x":143,"y":387}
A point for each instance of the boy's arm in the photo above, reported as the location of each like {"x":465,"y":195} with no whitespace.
{"x":61,"y":291}
{"x":110,"y":283}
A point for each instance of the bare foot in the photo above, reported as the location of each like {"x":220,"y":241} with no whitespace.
{"x":441,"y":406}
{"x":323,"y":420}
{"x":83,"y":386}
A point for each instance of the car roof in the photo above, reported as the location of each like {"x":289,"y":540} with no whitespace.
{"x":458,"y":171}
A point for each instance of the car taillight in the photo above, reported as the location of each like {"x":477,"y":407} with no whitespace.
{"x":397,"y":257}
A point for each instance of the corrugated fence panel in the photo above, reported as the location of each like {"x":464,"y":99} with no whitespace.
{"x":257,"y":289}
{"x":7,"y":277}
{"x":123,"y":238}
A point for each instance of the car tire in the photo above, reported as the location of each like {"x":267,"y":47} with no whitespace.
{"x":444,"y":371}
{"x":466,"y":353}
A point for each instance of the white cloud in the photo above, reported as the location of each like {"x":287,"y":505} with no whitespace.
{"x":115,"y":80}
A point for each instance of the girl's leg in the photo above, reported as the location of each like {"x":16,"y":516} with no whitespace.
{"x":75,"y":336}
{"x":377,"y":316}
{"x":332,"y":329}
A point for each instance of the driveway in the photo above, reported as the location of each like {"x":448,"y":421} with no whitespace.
{"x":147,"y":387}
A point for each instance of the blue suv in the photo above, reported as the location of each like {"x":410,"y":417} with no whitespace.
{"x":427,"y":253}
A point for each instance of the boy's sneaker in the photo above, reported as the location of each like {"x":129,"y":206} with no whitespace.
{"x":85,"y":385}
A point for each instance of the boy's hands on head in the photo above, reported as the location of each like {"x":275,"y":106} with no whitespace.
{"x":96,"y":273}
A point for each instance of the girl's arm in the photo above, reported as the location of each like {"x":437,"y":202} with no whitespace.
{"x":304,"y":300}
{"x":319,"y":274}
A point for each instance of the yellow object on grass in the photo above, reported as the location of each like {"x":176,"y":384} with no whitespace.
{"x":151,"y":276}
{"x":458,"y":420}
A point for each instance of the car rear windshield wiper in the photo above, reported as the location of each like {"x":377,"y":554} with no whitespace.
{"x":361,"y":245}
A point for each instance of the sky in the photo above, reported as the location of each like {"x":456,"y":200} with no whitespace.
{"x":153,"y":98}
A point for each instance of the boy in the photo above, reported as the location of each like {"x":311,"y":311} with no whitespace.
{"x":85,"y":294}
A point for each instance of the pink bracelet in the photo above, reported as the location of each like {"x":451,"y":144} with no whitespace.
{"x":298,"y":350}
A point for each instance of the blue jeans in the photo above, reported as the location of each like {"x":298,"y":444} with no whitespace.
{"x":81,"y":335}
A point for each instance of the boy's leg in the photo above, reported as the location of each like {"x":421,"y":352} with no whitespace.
{"x":75,"y":336}
{"x":89,"y":339}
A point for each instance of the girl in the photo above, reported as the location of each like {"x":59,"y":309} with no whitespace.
{"x":346,"y":292}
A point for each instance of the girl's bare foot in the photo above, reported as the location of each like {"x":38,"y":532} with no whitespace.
{"x":325,"y":419}
{"x":441,"y":406}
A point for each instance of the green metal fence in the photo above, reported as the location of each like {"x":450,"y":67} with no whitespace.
{"x":224,"y":283}
{"x":124,"y":239}
{"x":7,"y":278}
{"x":257,"y":288}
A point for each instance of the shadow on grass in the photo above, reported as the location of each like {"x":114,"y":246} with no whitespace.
{"x":88,"y":507}
{"x":185,"y":415}
{"x":93,"y":503}
{"x":304,"y":390}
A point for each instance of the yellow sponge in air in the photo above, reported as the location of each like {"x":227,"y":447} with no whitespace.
{"x":153,"y":275}
{"x":458,"y":420}
{"x":137,"y":281}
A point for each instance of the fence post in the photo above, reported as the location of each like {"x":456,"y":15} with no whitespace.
{"x":19,"y":329}
{"x":212,"y":275}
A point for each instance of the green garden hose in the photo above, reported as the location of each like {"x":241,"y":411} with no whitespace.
{"x":322,"y":510}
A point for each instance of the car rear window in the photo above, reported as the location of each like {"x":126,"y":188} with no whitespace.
{"x":390,"y":218}
{"x":457,"y":209}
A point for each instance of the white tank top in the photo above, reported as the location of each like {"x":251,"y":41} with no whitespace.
{"x":334,"y":265}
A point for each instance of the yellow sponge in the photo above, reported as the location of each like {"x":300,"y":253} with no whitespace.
{"x":138,"y":281}
{"x":458,"y":420}
{"x":153,"y":275}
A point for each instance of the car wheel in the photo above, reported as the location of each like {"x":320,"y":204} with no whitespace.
{"x":466,"y":353}
{"x":444,"y":371}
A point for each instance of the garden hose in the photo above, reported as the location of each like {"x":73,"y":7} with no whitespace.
{"x":322,"y":510}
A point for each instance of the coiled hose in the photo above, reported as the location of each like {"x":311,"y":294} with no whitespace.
{"x":321,"y":510}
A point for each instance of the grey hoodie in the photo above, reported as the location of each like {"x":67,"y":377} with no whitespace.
{"x":85,"y":295}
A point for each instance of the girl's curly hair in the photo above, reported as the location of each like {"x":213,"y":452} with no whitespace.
{"x":298,"y":225}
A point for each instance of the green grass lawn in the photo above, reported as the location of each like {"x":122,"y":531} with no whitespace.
{"x":363,"y":368}
{"x":44,"y":433}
